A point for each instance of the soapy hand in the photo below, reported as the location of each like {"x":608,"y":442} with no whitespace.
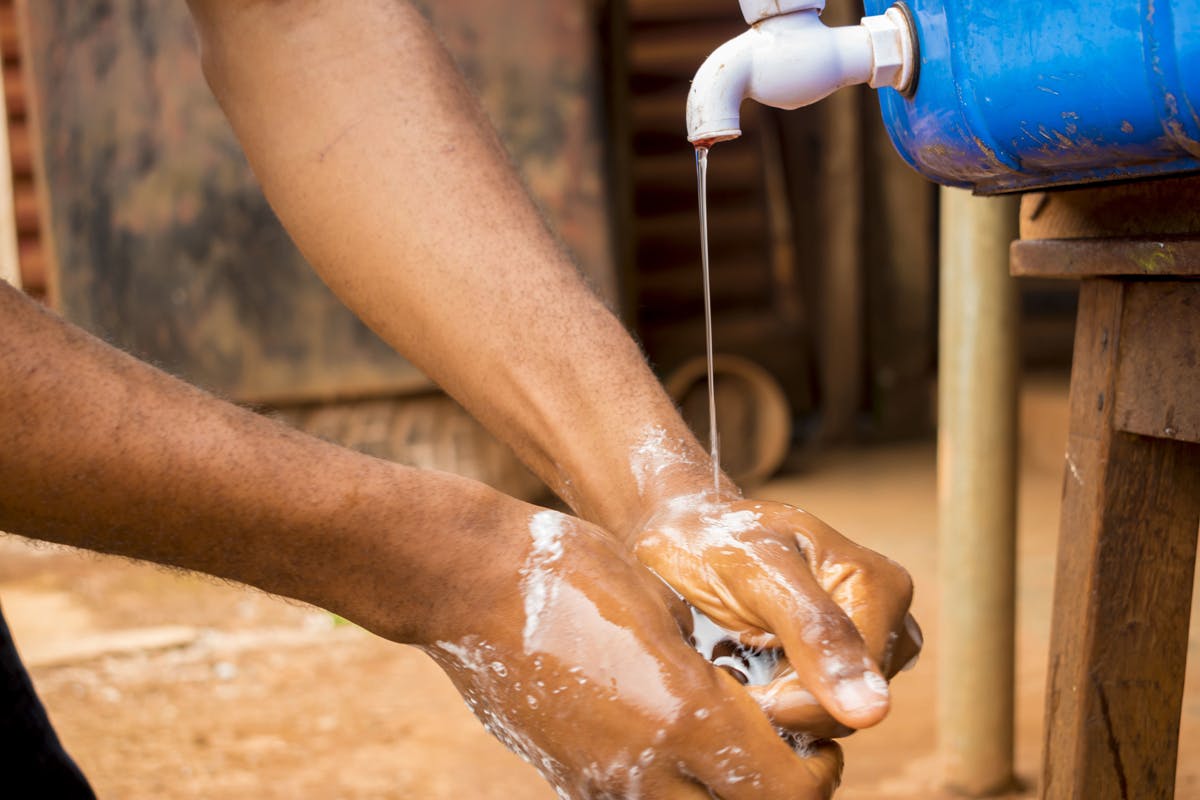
{"x":580,"y":667}
{"x":777,"y":576}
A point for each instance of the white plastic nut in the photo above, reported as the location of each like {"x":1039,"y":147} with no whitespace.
{"x":892,"y":48}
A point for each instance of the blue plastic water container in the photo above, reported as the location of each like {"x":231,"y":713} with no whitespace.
{"x":1015,"y":95}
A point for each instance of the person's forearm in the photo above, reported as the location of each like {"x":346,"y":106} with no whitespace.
{"x":383,"y":169}
{"x":101,"y":451}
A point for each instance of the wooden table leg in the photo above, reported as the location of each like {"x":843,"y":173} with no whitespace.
{"x":1122,"y":596}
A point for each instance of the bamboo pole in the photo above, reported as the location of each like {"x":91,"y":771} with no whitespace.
{"x":10,"y":268}
{"x":840,"y":309}
{"x":977,"y":378}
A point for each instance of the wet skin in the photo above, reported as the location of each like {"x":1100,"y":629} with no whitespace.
{"x":373,"y":153}
{"x":373,"y":179}
{"x":660,"y":723}
{"x":778,"y":577}
{"x":101,"y":451}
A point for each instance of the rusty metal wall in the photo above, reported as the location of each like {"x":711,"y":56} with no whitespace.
{"x":161,"y":241}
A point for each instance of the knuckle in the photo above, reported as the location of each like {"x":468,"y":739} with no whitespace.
{"x":884,"y":573}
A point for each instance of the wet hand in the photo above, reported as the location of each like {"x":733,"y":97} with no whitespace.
{"x":777,"y":576}
{"x":579,"y":666}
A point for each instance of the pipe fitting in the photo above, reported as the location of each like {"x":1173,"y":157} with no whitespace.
{"x":892,"y":50}
{"x":784,"y":61}
{"x":793,"y":59}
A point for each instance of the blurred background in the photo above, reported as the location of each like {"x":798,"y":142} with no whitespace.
{"x":136,"y":216}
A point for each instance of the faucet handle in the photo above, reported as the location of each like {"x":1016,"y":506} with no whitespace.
{"x":757,"y":10}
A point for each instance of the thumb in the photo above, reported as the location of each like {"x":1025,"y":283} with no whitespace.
{"x":792,"y":707}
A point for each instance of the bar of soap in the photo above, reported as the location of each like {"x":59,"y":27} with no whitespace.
{"x":748,"y":665}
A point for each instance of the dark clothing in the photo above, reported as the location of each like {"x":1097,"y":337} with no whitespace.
{"x":32,"y":761}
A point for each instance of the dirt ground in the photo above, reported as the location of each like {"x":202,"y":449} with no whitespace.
{"x":166,"y":685}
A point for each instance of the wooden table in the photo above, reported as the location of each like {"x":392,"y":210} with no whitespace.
{"x":1131,"y":486}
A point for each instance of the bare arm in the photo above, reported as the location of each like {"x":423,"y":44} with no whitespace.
{"x":99,"y":450}
{"x":380,"y":164}
{"x":385,"y":172}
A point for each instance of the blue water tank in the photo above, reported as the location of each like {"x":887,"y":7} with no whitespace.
{"x":1014,"y":95}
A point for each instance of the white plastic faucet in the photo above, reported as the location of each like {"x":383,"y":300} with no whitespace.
{"x":789,"y":59}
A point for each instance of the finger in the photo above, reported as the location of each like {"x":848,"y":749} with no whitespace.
{"x":738,"y":755}
{"x":675,"y":604}
{"x":877,"y":611}
{"x":823,"y":645}
{"x":812,"y":773}
{"x":874,"y":591}
{"x":794,"y":708}
{"x":907,"y":649}
{"x":825,"y":761}
{"x":679,"y":787}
